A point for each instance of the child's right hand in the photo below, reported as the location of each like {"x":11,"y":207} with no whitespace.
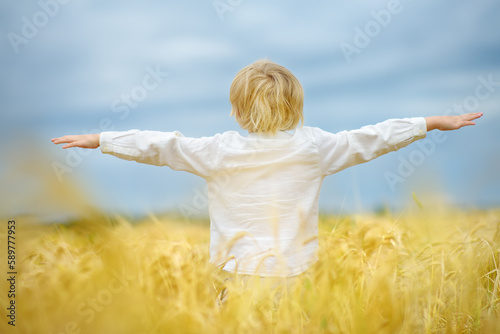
{"x":446,"y":123}
{"x":83,"y":141}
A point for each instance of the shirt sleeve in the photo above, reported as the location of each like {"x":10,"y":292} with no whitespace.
{"x":348,"y":148}
{"x":193,"y":155}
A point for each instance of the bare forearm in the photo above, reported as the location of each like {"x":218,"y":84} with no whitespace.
{"x":445,"y":123}
{"x":432,"y":122}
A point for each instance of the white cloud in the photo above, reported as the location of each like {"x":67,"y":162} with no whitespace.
{"x":190,"y":50}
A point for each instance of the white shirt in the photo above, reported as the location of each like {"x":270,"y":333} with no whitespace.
{"x":263,"y":189}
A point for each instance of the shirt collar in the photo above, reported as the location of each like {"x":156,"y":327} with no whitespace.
{"x":266,"y":135}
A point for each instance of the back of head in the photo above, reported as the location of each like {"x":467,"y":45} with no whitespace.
{"x":266,"y":97}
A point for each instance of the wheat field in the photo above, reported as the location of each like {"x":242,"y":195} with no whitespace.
{"x":420,"y":271}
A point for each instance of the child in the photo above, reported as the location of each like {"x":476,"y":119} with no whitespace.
{"x":264,"y":188}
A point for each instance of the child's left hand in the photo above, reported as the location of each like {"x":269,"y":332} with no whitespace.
{"x":83,"y":141}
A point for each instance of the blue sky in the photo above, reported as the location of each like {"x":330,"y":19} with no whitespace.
{"x":69,"y":67}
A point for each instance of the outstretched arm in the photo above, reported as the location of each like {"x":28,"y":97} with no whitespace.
{"x":193,"y":155}
{"x":348,"y":148}
{"x":83,"y":141}
{"x":445,"y":123}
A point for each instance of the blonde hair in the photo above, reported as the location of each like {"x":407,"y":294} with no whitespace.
{"x":266,"y":97}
